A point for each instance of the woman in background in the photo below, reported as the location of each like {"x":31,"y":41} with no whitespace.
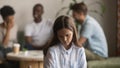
{"x":64,"y":50}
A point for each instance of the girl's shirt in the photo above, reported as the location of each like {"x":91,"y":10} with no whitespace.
{"x":58,"y":57}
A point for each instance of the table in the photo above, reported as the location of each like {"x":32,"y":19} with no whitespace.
{"x":31,"y":59}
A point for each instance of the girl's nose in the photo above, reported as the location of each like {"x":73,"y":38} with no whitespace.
{"x":65,"y":39}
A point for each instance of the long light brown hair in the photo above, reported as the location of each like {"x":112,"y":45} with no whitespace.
{"x":60,"y":23}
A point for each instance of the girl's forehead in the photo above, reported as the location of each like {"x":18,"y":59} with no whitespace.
{"x":64,"y":31}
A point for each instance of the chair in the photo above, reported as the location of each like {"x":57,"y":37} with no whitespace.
{"x":113,"y":62}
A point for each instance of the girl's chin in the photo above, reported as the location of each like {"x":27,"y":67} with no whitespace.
{"x":66,"y":44}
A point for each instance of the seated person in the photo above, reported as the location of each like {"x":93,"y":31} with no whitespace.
{"x":92,"y":36}
{"x":8,"y":32}
{"x":38,"y":32}
{"x":64,"y":50}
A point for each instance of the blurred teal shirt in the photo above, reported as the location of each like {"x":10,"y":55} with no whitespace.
{"x":96,"y":40}
{"x":58,"y":57}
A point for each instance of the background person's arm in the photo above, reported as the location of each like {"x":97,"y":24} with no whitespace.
{"x":28,"y":39}
{"x":7,"y":35}
{"x":28,"y":34}
{"x":82,"y":40}
{"x":6,"y":38}
{"x":87,"y":31}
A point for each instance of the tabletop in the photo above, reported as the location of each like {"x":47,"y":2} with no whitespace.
{"x":30,"y":55}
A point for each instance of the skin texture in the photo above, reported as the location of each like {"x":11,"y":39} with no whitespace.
{"x":65,"y":36}
{"x":8,"y":25}
{"x":38,"y":14}
{"x":80,"y":17}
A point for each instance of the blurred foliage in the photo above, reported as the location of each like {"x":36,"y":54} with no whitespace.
{"x":24,"y":49}
{"x":99,"y":12}
{"x":102,"y":8}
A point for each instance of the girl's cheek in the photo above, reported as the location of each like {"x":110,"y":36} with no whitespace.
{"x":70,"y":38}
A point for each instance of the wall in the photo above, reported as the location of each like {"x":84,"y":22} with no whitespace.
{"x":110,"y":25}
{"x":108,"y":21}
{"x":118,"y":34}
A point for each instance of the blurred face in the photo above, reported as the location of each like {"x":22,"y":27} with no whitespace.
{"x":79,"y":17}
{"x":38,"y":13}
{"x":65,"y":36}
{"x":9,"y":20}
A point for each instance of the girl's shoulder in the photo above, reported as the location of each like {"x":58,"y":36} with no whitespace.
{"x":79,"y":50}
{"x":78,"y":47}
{"x":54,"y":48}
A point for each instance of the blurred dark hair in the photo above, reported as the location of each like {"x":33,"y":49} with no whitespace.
{"x":79,"y":7}
{"x":60,"y":23}
{"x":6,"y":11}
{"x":37,"y":5}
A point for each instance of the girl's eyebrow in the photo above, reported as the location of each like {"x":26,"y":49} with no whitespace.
{"x":68,"y":33}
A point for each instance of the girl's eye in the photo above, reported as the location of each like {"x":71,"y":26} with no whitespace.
{"x":67,"y":35}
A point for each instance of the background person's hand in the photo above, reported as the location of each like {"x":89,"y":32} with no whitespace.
{"x":10,"y":23}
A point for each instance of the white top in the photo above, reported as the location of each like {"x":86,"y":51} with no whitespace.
{"x":40,"y":32}
{"x":58,"y":57}
{"x":13,"y":35}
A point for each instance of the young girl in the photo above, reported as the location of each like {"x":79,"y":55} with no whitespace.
{"x":64,"y":50}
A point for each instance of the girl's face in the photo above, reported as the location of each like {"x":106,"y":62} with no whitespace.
{"x":65,"y":36}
